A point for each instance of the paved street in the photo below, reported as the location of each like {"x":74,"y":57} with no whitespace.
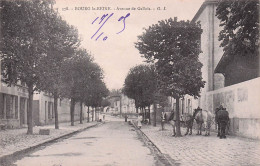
{"x":113,"y":143}
{"x":117,"y":143}
{"x":200,"y":150}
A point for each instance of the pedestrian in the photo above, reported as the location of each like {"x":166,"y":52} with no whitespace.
{"x":163,"y":118}
{"x":126,"y":117}
{"x":172,"y":121}
{"x":139,"y":119}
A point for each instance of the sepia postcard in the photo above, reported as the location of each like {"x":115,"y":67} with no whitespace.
{"x":129,"y":83}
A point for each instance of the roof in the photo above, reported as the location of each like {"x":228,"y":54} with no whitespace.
{"x":221,"y":66}
{"x":228,"y":58}
{"x":202,"y":7}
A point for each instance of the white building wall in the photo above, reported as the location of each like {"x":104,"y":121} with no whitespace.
{"x":242,"y":102}
{"x":211,"y":54}
{"x":63,"y":109}
{"x":203,"y":57}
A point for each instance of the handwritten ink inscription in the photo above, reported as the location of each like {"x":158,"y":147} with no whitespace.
{"x":102,"y":21}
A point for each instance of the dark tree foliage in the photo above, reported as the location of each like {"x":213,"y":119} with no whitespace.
{"x":240,"y":22}
{"x":174,"y":47}
{"x":24,"y":39}
{"x":115,"y":92}
{"x":27,"y":30}
{"x":76,"y":71}
{"x":63,"y":42}
{"x":140,"y":85}
{"x":105,"y":103}
{"x":83,"y":82}
{"x":95,"y":93}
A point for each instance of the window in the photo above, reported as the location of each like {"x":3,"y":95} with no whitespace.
{"x":182,"y":106}
{"x":8,"y":102}
{"x":174,"y":106}
{"x":9,"y":106}
{"x":52,"y":110}
{"x":22,"y":110}
{"x":189,"y":106}
{"x":49,"y":110}
{"x":2,"y":105}
{"x":46,"y":111}
{"x":16,"y":107}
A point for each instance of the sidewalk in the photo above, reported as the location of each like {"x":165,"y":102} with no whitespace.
{"x":16,"y":140}
{"x":200,"y":150}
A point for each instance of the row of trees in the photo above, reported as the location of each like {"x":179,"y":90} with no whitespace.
{"x":42,"y":50}
{"x":82,"y":82}
{"x":141,"y":84}
{"x":173,"y":48}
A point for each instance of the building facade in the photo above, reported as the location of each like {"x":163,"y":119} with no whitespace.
{"x":115,"y":104}
{"x":43,"y":109}
{"x":13,"y":105}
{"x":127,"y":105}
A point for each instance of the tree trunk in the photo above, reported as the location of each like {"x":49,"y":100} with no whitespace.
{"x":142,"y":113}
{"x":149,"y":111}
{"x":93,"y":114}
{"x":144,"y":110}
{"x":120,"y":107}
{"x":154,"y":114}
{"x":88,"y":113}
{"x":178,"y":127}
{"x":81,"y":113}
{"x":29,"y":110}
{"x":136,"y":109}
{"x":56,"y":110}
{"x":72,"y":108}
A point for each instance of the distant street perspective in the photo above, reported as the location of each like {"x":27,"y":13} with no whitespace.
{"x":129,"y":83}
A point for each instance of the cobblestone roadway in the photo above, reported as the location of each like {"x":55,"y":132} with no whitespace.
{"x":200,"y":150}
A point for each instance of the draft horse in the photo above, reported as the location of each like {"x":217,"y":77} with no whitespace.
{"x":222,"y":121}
{"x":170,"y":118}
{"x":203,"y":117}
{"x":187,"y":119}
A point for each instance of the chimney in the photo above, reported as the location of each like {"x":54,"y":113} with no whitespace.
{"x":175,"y":19}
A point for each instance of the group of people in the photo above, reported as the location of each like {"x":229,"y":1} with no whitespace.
{"x":200,"y":117}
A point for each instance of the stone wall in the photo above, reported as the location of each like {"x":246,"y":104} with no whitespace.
{"x":242,"y":102}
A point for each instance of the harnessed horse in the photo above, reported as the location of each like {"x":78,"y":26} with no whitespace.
{"x":188,"y":122}
{"x":203,"y":117}
{"x":169,"y":117}
{"x":222,"y":120}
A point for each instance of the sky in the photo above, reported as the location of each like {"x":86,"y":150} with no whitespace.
{"x":115,"y":50}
